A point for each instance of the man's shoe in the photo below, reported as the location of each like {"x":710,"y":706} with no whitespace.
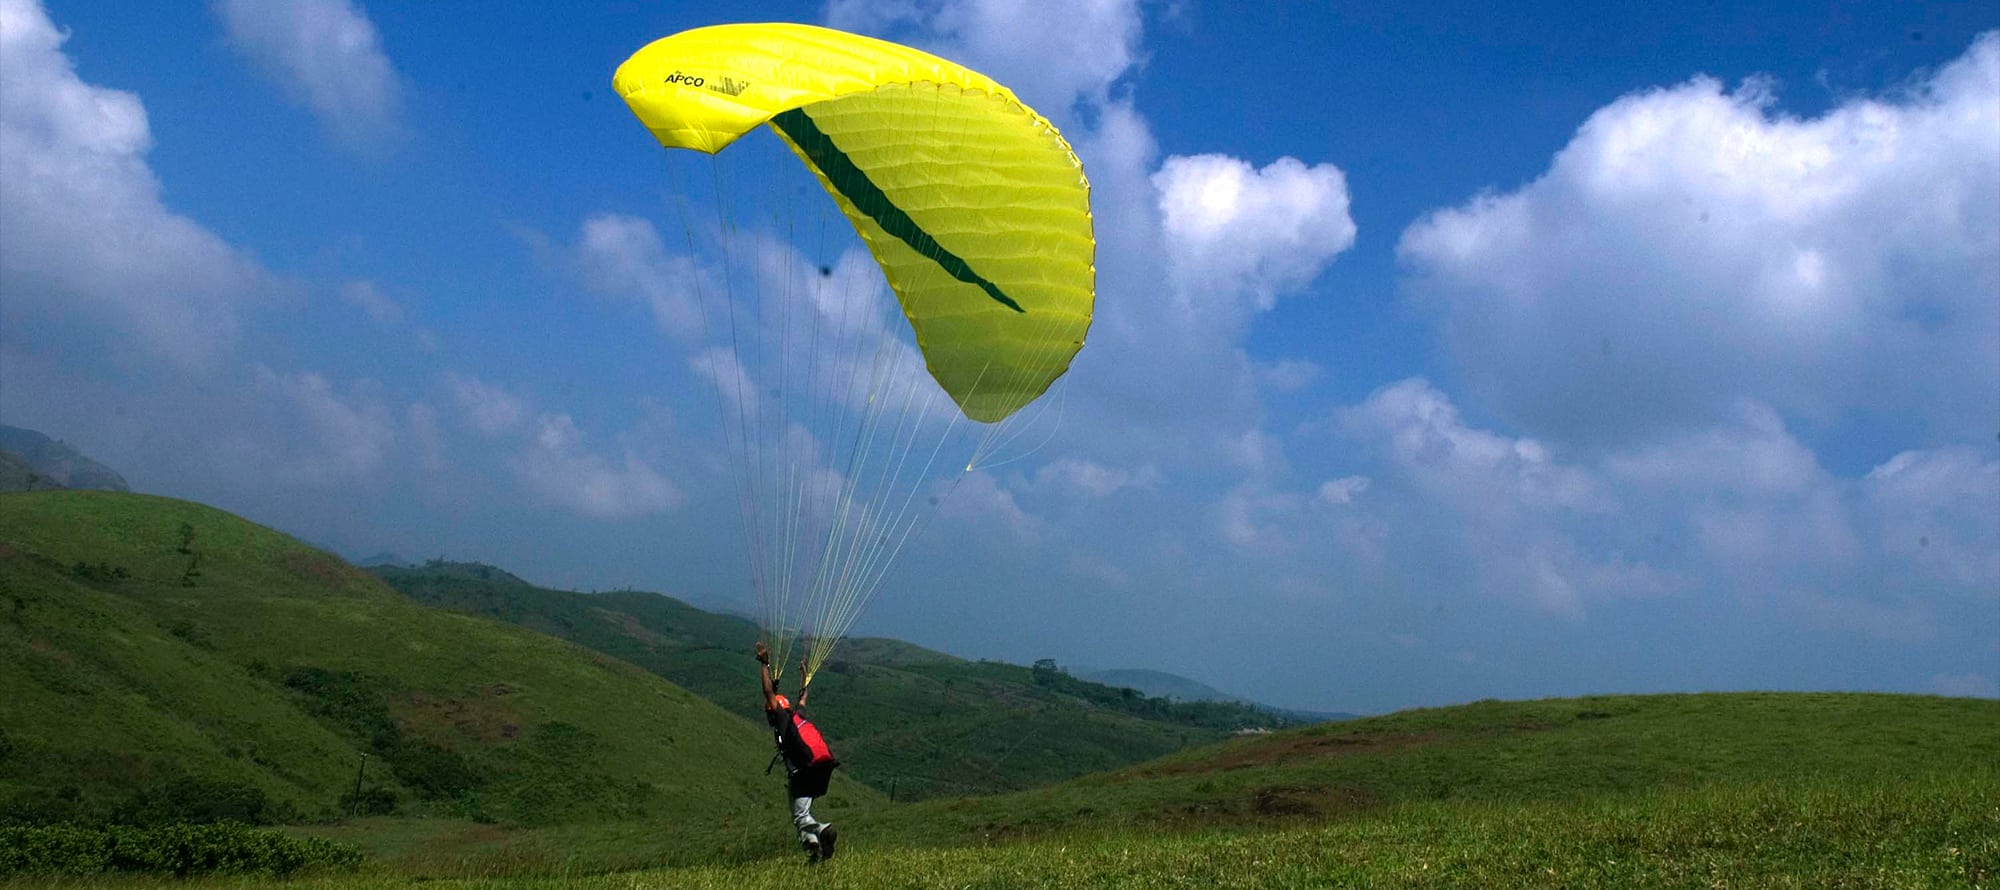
{"x":827,"y":836}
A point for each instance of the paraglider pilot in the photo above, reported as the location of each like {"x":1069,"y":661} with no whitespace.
{"x":808,"y":762}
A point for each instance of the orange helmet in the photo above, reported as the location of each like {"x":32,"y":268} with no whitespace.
{"x":783,"y":702}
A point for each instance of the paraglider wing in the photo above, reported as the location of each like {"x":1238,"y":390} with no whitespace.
{"x":974,"y":206}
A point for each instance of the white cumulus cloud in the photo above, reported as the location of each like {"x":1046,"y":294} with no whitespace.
{"x":1510,"y":510}
{"x":1256,"y":519}
{"x":1236,"y":234}
{"x":306,"y":431}
{"x":977,"y":500}
{"x":1342,"y":491}
{"x":1092,"y":479}
{"x":549,"y":455}
{"x":623,"y":256}
{"x":558,"y":468}
{"x":1752,"y":497}
{"x":1425,"y":436}
{"x":490,"y":408}
{"x":1939,"y":513}
{"x":369,"y":298}
{"x":87,"y":237}
{"x":1740,"y":512}
{"x":326,"y":54}
{"x":1692,"y":246}
{"x":1051,"y":59}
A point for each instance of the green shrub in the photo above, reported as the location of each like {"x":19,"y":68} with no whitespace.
{"x":359,"y":704}
{"x":43,"y":806}
{"x":180,"y":850}
{"x":432,"y":772}
{"x":103,"y":571}
{"x":370,"y":802}
{"x":197,"y":800}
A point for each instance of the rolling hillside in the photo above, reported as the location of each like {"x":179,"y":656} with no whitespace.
{"x":1505,"y":752}
{"x":162,"y":659}
{"x":912,"y":722}
{"x":1737,"y":790}
{"x":1922,"y":834}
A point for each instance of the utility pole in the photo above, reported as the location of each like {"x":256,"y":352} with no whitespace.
{"x":354,"y":803}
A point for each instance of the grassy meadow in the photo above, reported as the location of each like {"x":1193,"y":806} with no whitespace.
{"x":1936,"y":831}
{"x":150,"y":646}
{"x":1723,"y":790}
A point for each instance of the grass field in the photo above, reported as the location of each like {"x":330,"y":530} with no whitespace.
{"x":1724,"y":790}
{"x":1941,"y":831}
{"x":114,"y":671}
{"x":1556,"y":751}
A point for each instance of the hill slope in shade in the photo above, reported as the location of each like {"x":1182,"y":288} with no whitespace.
{"x":1552,"y":750}
{"x":146,"y":642}
{"x":1155,"y":683}
{"x":1175,"y":687}
{"x":49,"y":461}
{"x":16,"y":474}
{"x":907,"y":720}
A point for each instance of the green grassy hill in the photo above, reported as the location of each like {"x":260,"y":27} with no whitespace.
{"x":1728,"y":790}
{"x":909,"y":721}
{"x":1920,"y":834}
{"x":1506,"y":752}
{"x":162,"y":659}
{"x":1779,"y":790}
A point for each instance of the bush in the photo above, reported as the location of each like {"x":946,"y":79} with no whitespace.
{"x":103,"y":571}
{"x":180,"y":850}
{"x":43,"y":806}
{"x":192,"y":799}
{"x":370,"y":802}
{"x":432,"y":772}
{"x":358,"y":703}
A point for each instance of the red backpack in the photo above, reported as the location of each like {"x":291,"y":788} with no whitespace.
{"x":808,"y":736}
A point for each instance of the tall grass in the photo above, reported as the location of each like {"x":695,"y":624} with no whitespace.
{"x":1942,"y":831}
{"x":1933,"y":833}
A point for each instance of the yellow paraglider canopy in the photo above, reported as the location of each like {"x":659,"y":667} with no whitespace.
{"x":974,"y":206}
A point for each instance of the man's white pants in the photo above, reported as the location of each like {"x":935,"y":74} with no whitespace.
{"x":802,"y":818}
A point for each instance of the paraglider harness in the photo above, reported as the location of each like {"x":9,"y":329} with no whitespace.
{"x":807,"y":749}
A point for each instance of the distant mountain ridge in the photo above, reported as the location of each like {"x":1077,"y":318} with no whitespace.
{"x":31,"y":461}
{"x":16,"y":474}
{"x":1151,"y":682}
{"x":908,"y":720}
{"x":1175,"y":687}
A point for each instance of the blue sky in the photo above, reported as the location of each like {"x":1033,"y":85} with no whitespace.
{"x":1481,"y":350}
